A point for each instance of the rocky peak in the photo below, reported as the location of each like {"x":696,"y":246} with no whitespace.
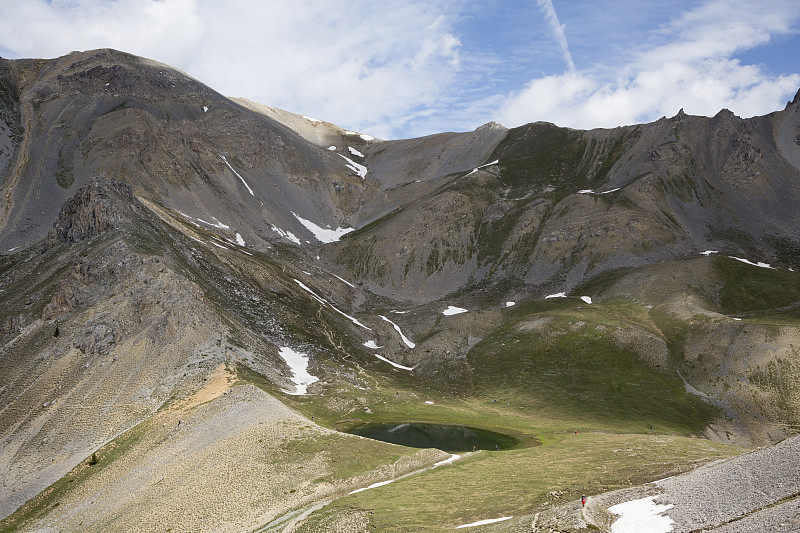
{"x":491,"y":126}
{"x":90,"y":212}
{"x":796,"y":98}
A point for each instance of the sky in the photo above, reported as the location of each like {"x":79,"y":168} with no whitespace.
{"x":417,"y":67}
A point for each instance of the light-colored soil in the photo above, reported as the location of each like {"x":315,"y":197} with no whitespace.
{"x":227,"y":458}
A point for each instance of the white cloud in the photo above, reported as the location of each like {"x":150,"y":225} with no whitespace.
{"x":558,"y":30}
{"x":368,"y":66}
{"x":399,"y":68}
{"x":690,"y":66}
{"x":362,"y":65}
{"x":167,"y":30}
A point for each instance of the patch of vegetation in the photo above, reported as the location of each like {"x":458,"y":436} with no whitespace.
{"x":39,"y":506}
{"x":541,"y":155}
{"x":515,"y":483}
{"x":64,"y":175}
{"x":747,"y":288}
{"x":743,"y":240}
{"x":566,"y":363}
{"x":787,"y":251}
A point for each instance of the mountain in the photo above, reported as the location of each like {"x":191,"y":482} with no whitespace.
{"x":198,"y":292}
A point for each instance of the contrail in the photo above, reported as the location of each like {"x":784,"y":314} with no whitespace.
{"x":558,"y":30}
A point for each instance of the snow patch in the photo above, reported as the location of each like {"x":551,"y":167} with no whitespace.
{"x":351,"y":319}
{"x":325,"y":235}
{"x":218,"y":224}
{"x":397,"y":329}
{"x":401,"y":367}
{"x":324,"y":302}
{"x":372,"y":345}
{"x":587,"y":299}
{"x":379,"y":484}
{"x":586,"y":191}
{"x":331,"y":147}
{"x":239,"y":176}
{"x":205,"y":109}
{"x":609,"y":191}
{"x":428,"y":402}
{"x":239,"y":240}
{"x":286,"y":234}
{"x":484,"y":522}
{"x":556,"y":295}
{"x":298,"y":364}
{"x":367,"y":137}
{"x":312,"y":293}
{"x":311,"y":119}
{"x":511,"y":304}
{"x":454,"y":311}
{"x":641,"y":516}
{"x":709,"y":252}
{"x":759,"y":264}
{"x":453,"y":457}
{"x":474,"y":170}
{"x":355,"y":152}
{"x":344,"y":281}
{"x":360,"y":170}
{"x":735,"y":318}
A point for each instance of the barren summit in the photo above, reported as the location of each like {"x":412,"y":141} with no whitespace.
{"x":201,"y":295}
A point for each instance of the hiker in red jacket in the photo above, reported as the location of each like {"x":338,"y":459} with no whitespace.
{"x":583,"y":501}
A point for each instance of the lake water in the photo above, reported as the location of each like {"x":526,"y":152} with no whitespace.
{"x":445,"y":437}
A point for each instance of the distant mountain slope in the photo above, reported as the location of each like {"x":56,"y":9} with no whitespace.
{"x":563,"y":205}
{"x":106,"y":113}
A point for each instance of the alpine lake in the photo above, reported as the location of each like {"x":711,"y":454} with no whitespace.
{"x":445,"y":437}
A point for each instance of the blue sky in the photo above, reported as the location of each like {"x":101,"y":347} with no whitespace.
{"x":411,"y":68}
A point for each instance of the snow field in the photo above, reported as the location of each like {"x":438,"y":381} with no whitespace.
{"x":298,"y":364}
{"x":641,"y":516}
{"x":405,"y":339}
{"x":396,"y":365}
{"x":325,"y":235}
{"x":474,"y":170}
{"x":359,"y":170}
{"x":485,"y":522}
